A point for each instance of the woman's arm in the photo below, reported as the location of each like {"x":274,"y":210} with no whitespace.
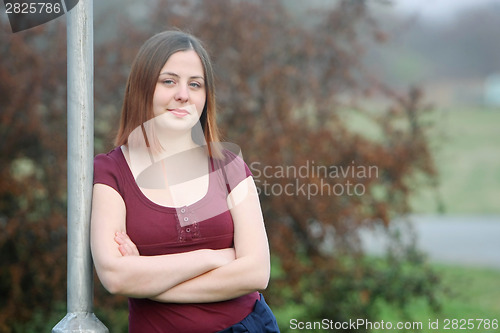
{"x":251,"y":269}
{"x":134,"y":275}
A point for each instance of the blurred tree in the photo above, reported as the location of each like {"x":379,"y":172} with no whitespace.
{"x":281,"y":86}
{"x":32,"y":172}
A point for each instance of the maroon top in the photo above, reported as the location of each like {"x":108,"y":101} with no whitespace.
{"x":156,"y":230}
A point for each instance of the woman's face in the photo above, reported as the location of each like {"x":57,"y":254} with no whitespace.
{"x":180,"y":92}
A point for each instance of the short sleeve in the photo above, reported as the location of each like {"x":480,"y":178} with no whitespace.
{"x":235,"y":169}
{"x":106,"y":171}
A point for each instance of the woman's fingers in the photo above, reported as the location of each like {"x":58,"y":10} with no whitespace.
{"x":125,"y":245}
{"x":123,"y":250}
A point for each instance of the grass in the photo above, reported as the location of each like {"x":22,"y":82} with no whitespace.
{"x":466,"y":147}
{"x":467,"y":155}
{"x":474,"y":294}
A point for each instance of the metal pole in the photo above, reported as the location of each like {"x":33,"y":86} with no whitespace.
{"x":80,"y":317}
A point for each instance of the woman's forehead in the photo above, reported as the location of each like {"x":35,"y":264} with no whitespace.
{"x":184,"y":63}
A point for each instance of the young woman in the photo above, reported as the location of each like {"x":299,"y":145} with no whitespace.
{"x":176,"y":221}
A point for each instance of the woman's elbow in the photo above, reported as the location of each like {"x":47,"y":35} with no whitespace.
{"x":262,"y":278}
{"x":263,"y":284}
{"x":113,"y":287}
{"x":111,"y":281}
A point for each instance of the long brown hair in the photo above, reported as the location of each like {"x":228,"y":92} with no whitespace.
{"x":138,"y":101}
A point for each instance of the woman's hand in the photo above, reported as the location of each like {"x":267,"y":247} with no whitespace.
{"x":125,"y":244}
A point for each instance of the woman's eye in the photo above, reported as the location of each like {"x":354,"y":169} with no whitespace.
{"x":168,"y":81}
{"x":195,"y":85}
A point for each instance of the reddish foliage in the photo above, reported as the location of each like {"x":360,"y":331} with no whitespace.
{"x":32,"y":173}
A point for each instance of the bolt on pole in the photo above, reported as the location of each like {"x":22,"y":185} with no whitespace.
{"x":79,"y":317}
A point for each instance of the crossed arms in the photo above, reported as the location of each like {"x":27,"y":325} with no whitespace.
{"x":211,"y":276}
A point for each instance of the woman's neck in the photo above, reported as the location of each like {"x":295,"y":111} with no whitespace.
{"x":175,"y":143}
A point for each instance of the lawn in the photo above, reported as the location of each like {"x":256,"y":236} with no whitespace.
{"x":466,"y":147}
{"x":467,"y":153}
{"x":473,"y":294}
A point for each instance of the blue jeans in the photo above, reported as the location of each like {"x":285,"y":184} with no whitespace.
{"x":261,"y":320}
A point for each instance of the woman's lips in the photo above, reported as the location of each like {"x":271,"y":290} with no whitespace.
{"x":179,"y":112}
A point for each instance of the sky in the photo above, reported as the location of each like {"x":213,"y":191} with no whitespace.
{"x":436,"y":9}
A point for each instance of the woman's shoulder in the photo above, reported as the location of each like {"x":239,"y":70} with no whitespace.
{"x":234,"y":167}
{"x":110,"y":158}
{"x":108,"y":168}
{"x":231,"y":153}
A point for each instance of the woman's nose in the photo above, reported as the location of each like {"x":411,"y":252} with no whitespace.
{"x":182,"y":94}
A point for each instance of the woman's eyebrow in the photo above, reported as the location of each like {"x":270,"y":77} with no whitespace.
{"x":170,"y":73}
{"x":178,"y":76}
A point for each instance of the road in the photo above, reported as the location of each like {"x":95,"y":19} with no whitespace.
{"x":463,"y":240}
